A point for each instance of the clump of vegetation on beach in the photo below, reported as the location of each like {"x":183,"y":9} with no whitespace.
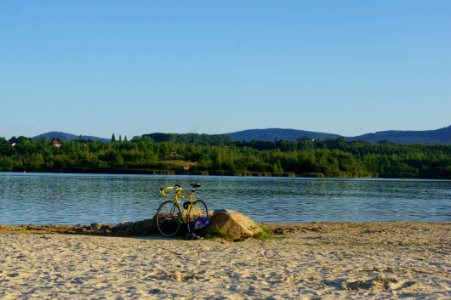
{"x":265,"y":234}
{"x":212,"y":233}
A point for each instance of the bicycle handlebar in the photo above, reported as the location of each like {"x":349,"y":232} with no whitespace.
{"x":178,"y":189}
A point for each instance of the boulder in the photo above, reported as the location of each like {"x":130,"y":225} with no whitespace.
{"x":234,"y":225}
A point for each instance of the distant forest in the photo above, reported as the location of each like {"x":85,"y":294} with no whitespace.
{"x":219,"y":155}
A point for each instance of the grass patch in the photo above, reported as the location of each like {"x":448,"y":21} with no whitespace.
{"x":265,"y":235}
{"x":212,"y":233}
{"x":215,"y":233}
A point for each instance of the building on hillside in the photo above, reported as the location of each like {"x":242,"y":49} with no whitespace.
{"x":56,"y":144}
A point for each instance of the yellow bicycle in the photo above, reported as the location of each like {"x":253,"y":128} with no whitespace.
{"x":171,"y":215}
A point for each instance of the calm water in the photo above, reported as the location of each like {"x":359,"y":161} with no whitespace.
{"x":85,"y":199}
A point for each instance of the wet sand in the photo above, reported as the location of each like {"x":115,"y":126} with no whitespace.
{"x":310,"y":261}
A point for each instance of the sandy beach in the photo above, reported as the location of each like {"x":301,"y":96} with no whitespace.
{"x":310,"y":261}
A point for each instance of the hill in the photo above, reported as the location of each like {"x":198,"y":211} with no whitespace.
{"x":70,"y":137}
{"x":273,"y":134}
{"x":438,"y":136}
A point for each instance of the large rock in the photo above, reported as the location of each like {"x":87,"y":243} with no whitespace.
{"x":234,"y":225}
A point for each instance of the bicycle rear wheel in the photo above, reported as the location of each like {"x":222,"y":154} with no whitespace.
{"x":199,"y":210}
{"x":168,"y":218}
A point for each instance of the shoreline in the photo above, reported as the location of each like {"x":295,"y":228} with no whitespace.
{"x":59,"y":228}
{"x":324,"y":260}
{"x":309,"y":175}
{"x":148,"y":227}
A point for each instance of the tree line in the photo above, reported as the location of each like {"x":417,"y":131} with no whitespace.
{"x":219,"y":155}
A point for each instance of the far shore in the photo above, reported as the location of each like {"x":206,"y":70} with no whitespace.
{"x":312,"y":175}
{"x":303,"y":261}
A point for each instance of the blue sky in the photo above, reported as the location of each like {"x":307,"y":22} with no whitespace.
{"x":135,"y":67}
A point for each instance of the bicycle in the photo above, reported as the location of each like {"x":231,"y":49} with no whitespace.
{"x":171,"y":215}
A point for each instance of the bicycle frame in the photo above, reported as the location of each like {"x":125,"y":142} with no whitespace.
{"x":179,"y":195}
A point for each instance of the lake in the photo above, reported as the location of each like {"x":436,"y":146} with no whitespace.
{"x":42,"y":199}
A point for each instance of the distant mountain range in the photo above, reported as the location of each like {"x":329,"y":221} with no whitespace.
{"x":438,"y":136}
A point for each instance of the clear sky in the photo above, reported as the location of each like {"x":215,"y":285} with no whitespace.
{"x":134,"y":67}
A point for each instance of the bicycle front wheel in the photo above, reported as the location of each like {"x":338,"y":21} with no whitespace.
{"x":168,"y":218}
{"x":199,"y":210}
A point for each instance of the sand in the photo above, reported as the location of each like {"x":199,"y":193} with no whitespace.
{"x":311,"y":261}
